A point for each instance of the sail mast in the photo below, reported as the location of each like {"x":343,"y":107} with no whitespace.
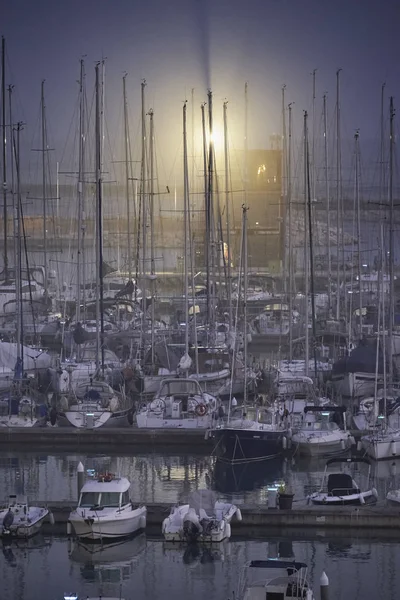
{"x":186,"y":258}
{"x":338,"y":192}
{"x":81,"y":207}
{"x":128,"y":199}
{"x":227,"y":208}
{"x":44,"y":154}
{"x":4,"y":142}
{"x":207,"y":216}
{"x":143,"y":203}
{"x":99,"y":227}
{"x":306,"y":257}
{"x":289,"y":231}
{"x":327,"y":200}
{"x":391,"y":240}
{"x":151,"y":207}
{"x":245,"y":291}
{"x":358,"y":208}
{"x":210,"y":195}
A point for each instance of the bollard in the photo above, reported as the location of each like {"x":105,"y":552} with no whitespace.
{"x":324,"y":586}
{"x":81,"y":477}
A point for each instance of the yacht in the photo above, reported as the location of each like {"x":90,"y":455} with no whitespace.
{"x":275,"y":580}
{"x":105,"y":510}
{"x":252,"y":434}
{"x":179,"y":403}
{"x":339,"y":487}
{"x":320,"y":434}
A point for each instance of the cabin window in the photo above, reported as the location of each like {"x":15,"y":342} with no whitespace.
{"x":125,"y":498}
{"x":89,"y":499}
{"x":110,"y":499}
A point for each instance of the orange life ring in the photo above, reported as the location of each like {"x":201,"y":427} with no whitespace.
{"x":201,"y":410}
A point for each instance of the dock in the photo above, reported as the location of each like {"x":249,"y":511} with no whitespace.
{"x":367,"y":520}
{"x":71,"y":438}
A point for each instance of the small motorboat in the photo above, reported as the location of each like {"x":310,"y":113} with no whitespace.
{"x":203,"y":519}
{"x":73,"y":596}
{"x":21,"y":520}
{"x":340,"y":487}
{"x":105,"y":510}
{"x":319,"y":433}
{"x":393,"y":497}
{"x":278,"y":579}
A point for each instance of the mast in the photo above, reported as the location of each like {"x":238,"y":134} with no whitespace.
{"x":289,"y":230}
{"x":186,"y":258}
{"x":284,"y":192}
{"x":44,"y":153}
{"x":311,"y":253}
{"x":327,"y":200}
{"x":306,"y":265}
{"x":227,"y":206}
{"x":338,"y":191}
{"x":314,"y":73}
{"x":358,"y":208}
{"x":210,"y":193}
{"x":18,"y":270}
{"x":143,"y":203}
{"x":128,"y":199}
{"x":391,"y":240}
{"x":4,"y":142}
{"x":81,"y":206}
{"x":207,"y":216}
{"x":152,"y":258}
{"x":99,"y":227}
{"x":382,"y":171}
{"x":245,"y":209}
{"x":246,"y":146}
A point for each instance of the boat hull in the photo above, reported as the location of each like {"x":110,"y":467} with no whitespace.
{"x":92,"y":525}
{"x":78,"y":419}
{"x":321,"y":447}
{"x":354,"y":385}
{"x":381,"y":448}
{"x":240,"y":444}
{"x":24,"y":530}
{"x":351,"y":500}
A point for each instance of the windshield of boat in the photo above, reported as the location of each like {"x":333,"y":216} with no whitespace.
{"x":105,"y":499}
{"x":89,"y":499}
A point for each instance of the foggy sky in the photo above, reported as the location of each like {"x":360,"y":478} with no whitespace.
{"x":178,"y":45}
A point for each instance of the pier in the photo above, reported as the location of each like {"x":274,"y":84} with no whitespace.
{"x":261,"y":521}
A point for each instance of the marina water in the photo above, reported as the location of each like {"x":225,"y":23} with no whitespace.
{"x":48,"y":565}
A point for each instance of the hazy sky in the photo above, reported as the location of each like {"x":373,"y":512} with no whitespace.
{"x":178,"y":45}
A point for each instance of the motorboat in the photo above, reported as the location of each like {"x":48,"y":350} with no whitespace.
{"x":252,"y":434}
{"x":73,"y":596}
{"x":203,"y":519}
{"x":105,"y":510}
{"x":339,"y":488}
{"x":320,"y":434}
{"x":381,"y":444}
{"x":275,"y":579}
{"x":179,"y":403}
{"x":393,"y":497}
{"x":94,"y":404}
{"x":21,"y":520}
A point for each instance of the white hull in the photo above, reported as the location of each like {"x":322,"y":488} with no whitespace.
{"x":20,"y":422}
{"x":20,"y":527}
{"x":158,"y":422}
{"x":383,"y":446}
{"x":354,"y":385}
{"x":351,"y":499}
{"x":173,"y":525}
{"x":322,"y":446}
{"x":107,"y":524}
{"x":79,"y":420}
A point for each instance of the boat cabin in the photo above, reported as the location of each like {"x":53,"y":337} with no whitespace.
{"x":276,"y":580}
{"x":107,"y":491}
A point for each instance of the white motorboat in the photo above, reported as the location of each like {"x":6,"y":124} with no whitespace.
{"x":94,"y":404}
{"x":382,"y":444}
{"x":105,"y":510}
{"x":319,"y":435}
{"x":393,"y":497}
{"x":21,"y":520}
{"x":339,"y":488}
{"x":73,"y":596}
{"x":203,"y":519}
{"x":179,"y":403}
{"x":275,"y":579}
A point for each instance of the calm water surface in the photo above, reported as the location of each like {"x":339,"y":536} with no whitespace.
{"x":145,"y":569}
{"x":47,"y":566}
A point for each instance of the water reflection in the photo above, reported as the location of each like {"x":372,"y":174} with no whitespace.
{"x":161,"y":478}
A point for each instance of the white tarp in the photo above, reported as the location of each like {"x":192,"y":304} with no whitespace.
{"x":33,"y":359}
